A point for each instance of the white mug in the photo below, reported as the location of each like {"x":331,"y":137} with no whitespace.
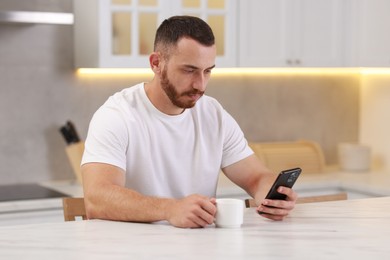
{"x":230,"y":213}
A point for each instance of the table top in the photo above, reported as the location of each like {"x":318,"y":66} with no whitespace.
{"x":326,"y":230}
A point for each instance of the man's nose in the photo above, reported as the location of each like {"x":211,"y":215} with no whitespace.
{"x":200,"y":83}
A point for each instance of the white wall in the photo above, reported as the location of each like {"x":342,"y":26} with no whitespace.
{"x":375,"y":118}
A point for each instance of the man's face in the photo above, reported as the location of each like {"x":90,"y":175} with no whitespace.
{"x":184,"y":99}
{"x":186,"y":74}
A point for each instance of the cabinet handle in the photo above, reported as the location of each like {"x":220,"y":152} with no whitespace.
{"x":298,"y":62}
{"x":289,"y":62}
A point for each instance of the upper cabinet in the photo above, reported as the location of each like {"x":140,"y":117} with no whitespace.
{"x":291,"y":33}
{"x":249,"y":33}
{"x":120,"y":33}
{"x":370,"y":33}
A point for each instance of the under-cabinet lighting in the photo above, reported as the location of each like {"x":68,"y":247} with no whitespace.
{"x":224,"y":71}
{"x":114,"y":71}
{"x":375,"y":71}
{"x":284,"y":71}
{"x":242,"y":71}
{"x":36,"y":17}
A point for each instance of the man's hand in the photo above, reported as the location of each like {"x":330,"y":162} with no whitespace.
{"x":278,"y":209}
{"x":194,"y":211}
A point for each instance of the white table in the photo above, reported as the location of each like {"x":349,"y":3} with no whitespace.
{"x":352,"y":229}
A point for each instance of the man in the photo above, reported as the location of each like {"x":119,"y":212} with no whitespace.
{"x":154,"y":151}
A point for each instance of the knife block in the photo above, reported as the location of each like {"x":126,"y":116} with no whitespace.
{"x":75,"y":153}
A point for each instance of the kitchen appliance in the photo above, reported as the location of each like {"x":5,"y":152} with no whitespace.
{"x":28,"y":191}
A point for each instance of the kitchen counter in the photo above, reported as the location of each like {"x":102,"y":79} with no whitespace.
{"x":71,"y":188}
{"x":19,"y":212}
{"x":356,"y":184}
{"x":350,"y":229}
{"x":369,"y":183}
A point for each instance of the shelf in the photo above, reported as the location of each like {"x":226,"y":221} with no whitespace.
{"x":36,"y":17}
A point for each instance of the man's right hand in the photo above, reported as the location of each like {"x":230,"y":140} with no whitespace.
{"x":194,"y":211}
{"x":106,"y":197}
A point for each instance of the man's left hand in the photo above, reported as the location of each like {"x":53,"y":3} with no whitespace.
{"x":278,"y":209}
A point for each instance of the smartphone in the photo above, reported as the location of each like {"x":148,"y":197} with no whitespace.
{"x":285,"y":178}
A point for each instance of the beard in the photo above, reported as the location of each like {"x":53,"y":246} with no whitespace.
{"x":174,"y":96}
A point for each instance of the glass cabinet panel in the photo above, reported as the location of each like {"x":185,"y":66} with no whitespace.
{"x":121,"y":2}
{"x":147,"y":2}
{"x":121,"y":33}
{"x":147,"y":28}
{"x":216,"y":4}
{"x":191,"y":3}
{"x":217,"y":23}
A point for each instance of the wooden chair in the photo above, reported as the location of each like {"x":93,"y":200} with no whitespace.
{"x":278,"y":156}
{"x":321,"y":198}
{"x":73,"y":207}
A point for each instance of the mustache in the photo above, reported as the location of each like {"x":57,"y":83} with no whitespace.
{"x":193,"y":92}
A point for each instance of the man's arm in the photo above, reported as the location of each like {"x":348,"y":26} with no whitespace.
{"x":251,"y":175}
{"x":106,"y":197}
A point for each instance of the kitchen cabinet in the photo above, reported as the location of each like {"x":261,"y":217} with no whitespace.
{"x":120,"y":33}
{"x":291,"y":33}
{"x":370,"y":27}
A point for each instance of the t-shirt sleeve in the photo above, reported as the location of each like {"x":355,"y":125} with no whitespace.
{"x":107,"y":139}
{"x":235,"y":146}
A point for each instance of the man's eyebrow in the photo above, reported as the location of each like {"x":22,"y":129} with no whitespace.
{"x":196,"y":68}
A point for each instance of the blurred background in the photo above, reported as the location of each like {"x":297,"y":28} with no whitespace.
{"x":345,"y":100}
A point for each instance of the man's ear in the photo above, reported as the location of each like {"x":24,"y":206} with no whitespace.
{"x":155,"y":62}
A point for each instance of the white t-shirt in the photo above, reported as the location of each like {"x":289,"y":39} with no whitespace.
{"x":163,"y":155}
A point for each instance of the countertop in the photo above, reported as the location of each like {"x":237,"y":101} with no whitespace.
{"x":350,"y":229}
{"x":365,"y":184}
{"x":357,"y":184}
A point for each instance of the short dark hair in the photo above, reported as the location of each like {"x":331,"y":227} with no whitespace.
{"x":174,"y":28}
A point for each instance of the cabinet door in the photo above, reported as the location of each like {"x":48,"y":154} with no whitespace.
{"x":285,"y":33}
{"x":127,"y":29}
{"x":319,"y":27}
{"x":370,"y":28}
{"x":221,"y":15}
{"x":120,"y":33}
{"x":264,"y":33}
